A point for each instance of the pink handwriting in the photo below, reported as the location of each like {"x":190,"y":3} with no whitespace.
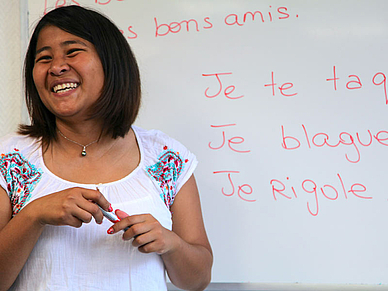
{"x":163,"y":29}
{"x":328,"y":191}
{"x":130,"y":31}
{"x":378,"y":79}
{"x":227,"y":91}
{"x":244,"y":189}
{"x":235,"y":19}
{"x":322,"y":139}
{"x":283,"y":88}
{"x":105,"y":2}
{"x":231,"y":141}
{"x":59,"y":3}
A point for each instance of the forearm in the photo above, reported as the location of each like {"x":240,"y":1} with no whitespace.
{"x":189,"y":266}
{"x":17,"y":239}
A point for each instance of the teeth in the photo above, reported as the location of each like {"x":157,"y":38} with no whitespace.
{"x":65,"y":87}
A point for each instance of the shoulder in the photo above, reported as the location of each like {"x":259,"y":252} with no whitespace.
{"x":22,"y":144}
{"x":162,"y":153}
{"x":167,"y":162}
{"x":152,"y":135}
{"x":155,"y":142}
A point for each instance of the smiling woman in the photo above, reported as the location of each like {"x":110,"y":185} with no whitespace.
{"x":68,"y":73}
{"x":121,"y":75}
{"x":83,"y":92}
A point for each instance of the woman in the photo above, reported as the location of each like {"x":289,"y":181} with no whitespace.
{"x":80,"y":152}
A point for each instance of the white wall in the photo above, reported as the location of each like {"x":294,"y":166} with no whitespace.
{"x":10,"y":65}
{"x":277,"y":237}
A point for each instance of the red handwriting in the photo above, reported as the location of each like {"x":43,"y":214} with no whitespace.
{"x":328,"y":191}
{"x":59,"y":3}
{"x":322,"y":139}
{"x":244,"y":189}
{"x":227,"y":91}
{"x":105,"y":2}
{"x":163,"y":29}
{"x":378,"y":79}
{"x":282,"y":88}
{"x":192,"y":24}
{"x":240,"y":20}
{"x":231,"y":141}
{"x":130,"y":31}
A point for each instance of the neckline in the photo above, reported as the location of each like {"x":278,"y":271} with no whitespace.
{"x":88,"y":185}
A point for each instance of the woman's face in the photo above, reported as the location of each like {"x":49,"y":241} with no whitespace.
{"x":68,"y":73}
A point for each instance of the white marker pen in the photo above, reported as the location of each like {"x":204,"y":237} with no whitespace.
{"x":111,"y":215}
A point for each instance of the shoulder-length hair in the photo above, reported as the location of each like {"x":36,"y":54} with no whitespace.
{"x":119,"y":102}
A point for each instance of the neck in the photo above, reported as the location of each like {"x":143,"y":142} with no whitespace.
{"x":81,"y":132}
{"x":81,"y":139}
{"x":84,"y":146}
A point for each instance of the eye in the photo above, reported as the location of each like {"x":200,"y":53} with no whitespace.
{"x":73,"y":52}
{"x":42,"y":59}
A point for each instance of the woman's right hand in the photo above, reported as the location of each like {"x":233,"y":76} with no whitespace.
{"x":72,"y":207}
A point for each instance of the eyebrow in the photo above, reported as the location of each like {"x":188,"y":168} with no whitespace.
{"x":63,"y":44}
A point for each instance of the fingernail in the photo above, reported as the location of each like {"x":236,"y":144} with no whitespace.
{"x":110,"y":209}
{"x":110,"y":230}
{"x":121,"y":213}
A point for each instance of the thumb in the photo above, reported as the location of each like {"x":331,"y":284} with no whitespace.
{"x":121,"y":214}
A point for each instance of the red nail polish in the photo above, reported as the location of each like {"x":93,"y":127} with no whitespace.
{"x":110,"y":209}
{"x":110,"y":230}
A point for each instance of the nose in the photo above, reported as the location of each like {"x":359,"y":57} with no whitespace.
{"x":58,"y":67}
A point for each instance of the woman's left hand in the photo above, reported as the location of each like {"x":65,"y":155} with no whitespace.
{"x":147,"y":233}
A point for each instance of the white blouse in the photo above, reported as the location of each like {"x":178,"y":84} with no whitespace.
{"x":87,"y":258}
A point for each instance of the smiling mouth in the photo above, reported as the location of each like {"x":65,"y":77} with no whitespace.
{"x":62,"y":88}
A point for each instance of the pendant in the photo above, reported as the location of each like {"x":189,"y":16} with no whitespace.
{"x":83,"y":153}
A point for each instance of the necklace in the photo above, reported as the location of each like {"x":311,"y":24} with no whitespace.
{"x":83,"y":153}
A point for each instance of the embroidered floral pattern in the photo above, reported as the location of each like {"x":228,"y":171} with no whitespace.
{"x":166,"y":172}
{"x":20,"y":176}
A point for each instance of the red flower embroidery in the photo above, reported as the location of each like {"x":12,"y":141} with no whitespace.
{"x":21,"y":178}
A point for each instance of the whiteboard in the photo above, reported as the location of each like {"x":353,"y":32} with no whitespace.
{"x":285,"y":105}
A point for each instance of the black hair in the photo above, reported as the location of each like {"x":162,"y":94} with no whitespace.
{"x":119,"y":102}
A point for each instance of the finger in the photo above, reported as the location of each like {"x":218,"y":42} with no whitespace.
{"x":158,"y":241}
{"x":75,"y":222}
{"x":73,"y":216}
{"x":129,"y":224}
{"x":121,"y":214}
{"x":150,"y":248}
{"x":88,"y":204}
{"x":143,"y":239}
{"x":145,"y":231}
{"x":153,"y":247}
{"x":89,"y":210}
{"x":134,"y":231}
{"x":147,"y":248}
{"x":97,"y":197}
{"x":126,"y":220}
{"x":149,"y":232}
{"x":72,"y":206}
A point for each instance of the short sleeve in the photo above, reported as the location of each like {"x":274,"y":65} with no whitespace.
{"x":189,"y":161}
{"x":18,"y":176}
{"x":172,"y":165}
